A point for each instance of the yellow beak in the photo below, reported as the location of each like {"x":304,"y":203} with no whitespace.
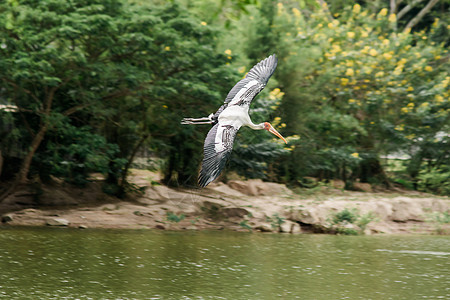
{"x":274,"y":131}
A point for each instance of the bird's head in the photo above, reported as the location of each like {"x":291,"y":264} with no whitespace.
{"x":269,"y":128}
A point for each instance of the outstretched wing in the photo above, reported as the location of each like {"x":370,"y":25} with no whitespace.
{"x":217,"y":149}
{"x":219,"y":141}
{"x":245,"y":90}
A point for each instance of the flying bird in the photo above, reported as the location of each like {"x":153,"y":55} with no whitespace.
{"x":230,"y":117}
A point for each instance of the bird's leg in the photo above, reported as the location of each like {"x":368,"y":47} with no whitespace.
{"x":205,"y":120}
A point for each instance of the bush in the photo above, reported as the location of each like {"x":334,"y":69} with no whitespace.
{"x":435,"y":180}
{"x":349,"y":221}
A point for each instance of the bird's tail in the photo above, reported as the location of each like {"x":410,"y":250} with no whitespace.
{"x":193,"y":121}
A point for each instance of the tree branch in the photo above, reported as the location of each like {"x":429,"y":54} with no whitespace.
{"x":407,"y":8}
{"x":421,"y":14}
{"x":12,"y":83}
{"x":393,"y":7}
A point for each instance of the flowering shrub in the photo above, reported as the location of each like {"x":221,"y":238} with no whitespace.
{"x":357,"y":89}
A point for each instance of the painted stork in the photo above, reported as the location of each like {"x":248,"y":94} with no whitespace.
{"x":230,"y":117}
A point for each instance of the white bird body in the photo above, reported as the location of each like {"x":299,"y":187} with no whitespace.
{"x":236,"y":117}
{"x":231,"y":116}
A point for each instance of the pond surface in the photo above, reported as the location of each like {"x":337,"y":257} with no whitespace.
{"x":48,"y":263}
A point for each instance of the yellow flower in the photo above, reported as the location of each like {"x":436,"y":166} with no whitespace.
{"x":167,"y":48}
{"x":398,"y":70}
{"x":296,"y":12}
{"x":445,"y":82}
{"x":344,"y":81}
{"x":279,"y":7}
{"x":402,"y":61}
{"x":385,"y":42}
{"x":356,"y":8}
{"x":335,"y":48}
{"x":373,"y":52}
{"x":364,"y":34}
{"x":410,"y":105}
{"x":165,"y":106}
{"x":383,"y":12}
{"x":276,"y":93}
{"x":355,"y":155}
{"x":387,"y":56}
{"x":379,"y":74}
{"x":400,"y":127}
{"x":439,"y":99}
{"x":241,"y":70}
{"x":392,"y":18}
{"x":409,"y":89}
{"x":351,"y":101}
{"x":365,"y":50}
{"x":436,"y":22}
{"x":204,"y":23}
{"x":276,"y":121}
{"x":350,"y":34}
{"x":349,"y":72}
{"x":330,"y":25}
{"x":228,"y":52}
{"x":428,"y":68}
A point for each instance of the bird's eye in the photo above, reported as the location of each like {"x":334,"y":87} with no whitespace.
{"x":266,"y":125}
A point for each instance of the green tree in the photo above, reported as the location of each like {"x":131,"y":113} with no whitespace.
{"x":356,"y":86}
{"x":128,"y":72}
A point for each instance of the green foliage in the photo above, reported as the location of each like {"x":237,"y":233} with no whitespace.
{"x":129,"y":72}
{"x":73,"y":153}
{"x":96,"y":81}
{"x":171,"y":217}
{"x":435,"y":180}
{"x":439,"y":220}
{"x":244,"y":224}
{"x":275,"y":221}
{"x":350,"y":221}
{"x":344,"y":216}
{"x":364,"y":89}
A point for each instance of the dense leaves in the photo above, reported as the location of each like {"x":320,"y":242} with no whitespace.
{"x":94,"y":83}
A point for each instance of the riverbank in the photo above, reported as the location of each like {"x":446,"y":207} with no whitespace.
{"x":239,"y":205}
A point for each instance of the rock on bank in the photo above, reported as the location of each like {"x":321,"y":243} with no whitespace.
{"x":251,"y":205}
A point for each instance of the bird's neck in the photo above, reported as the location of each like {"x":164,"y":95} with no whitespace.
{"x":255,"y":126}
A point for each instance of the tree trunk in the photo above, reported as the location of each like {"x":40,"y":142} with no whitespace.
{"x":22,"y":175}
{"x":25,"y":168}
{"x":372,"y":168}
{"x":130,"y":160}
{"x":1,"y":162}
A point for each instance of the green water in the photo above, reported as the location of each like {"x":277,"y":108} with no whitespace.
{"x":46,"y":263}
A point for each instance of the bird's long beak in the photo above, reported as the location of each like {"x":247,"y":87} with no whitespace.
{"x":274,"y":131}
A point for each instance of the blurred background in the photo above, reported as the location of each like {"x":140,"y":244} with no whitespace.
{"x":361,"y":90}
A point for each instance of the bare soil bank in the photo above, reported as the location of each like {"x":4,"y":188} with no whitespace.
{"x":239,"y":205}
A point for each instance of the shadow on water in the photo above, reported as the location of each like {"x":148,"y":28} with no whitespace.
{"x":123,"y":264}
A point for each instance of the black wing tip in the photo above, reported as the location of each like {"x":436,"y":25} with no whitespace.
{"x":204,"y":180}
